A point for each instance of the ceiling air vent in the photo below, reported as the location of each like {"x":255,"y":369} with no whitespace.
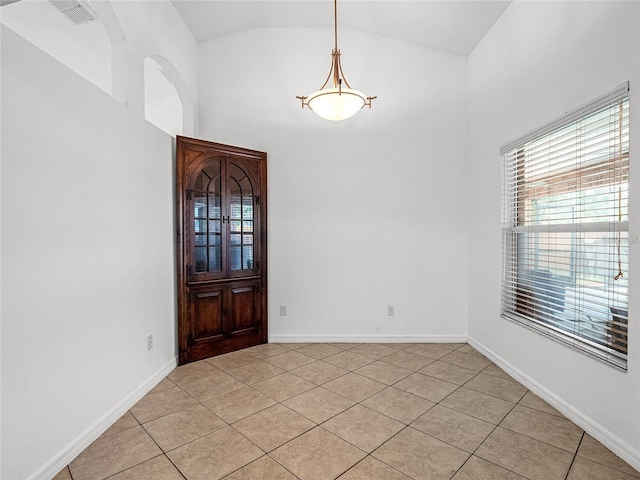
{"x":77,"y":12}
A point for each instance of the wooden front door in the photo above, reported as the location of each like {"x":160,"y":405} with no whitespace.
{"x":222,"y":248}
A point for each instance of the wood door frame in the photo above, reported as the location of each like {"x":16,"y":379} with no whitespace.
{"x":196,"y":147}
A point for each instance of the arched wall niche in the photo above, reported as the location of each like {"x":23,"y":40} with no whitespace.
{"x":167,"y":101}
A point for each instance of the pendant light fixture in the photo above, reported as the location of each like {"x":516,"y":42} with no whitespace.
{"x":336,"y":101}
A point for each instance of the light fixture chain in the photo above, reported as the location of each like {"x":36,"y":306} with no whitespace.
{"x":335,"y":23}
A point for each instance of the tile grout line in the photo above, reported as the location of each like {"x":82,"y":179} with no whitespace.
{"x":357,"y":403}
{"x":162,"y":450}
{"x":318,"y":425}
{"x":495,"y":427}
{"x":162,"y":454}
{"x":473,"y":454}
{"x":409,"y":424}
{"x":498,"y":425}
{"x":406,"y":426}
{"x":575,"y":455}
{"x":391,"y":385}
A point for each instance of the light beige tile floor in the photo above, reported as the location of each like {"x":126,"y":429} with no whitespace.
{"x":347,"y":411}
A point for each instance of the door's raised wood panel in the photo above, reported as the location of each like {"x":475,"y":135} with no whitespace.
{"x":245,"y":308}
{"x":208,"y":315}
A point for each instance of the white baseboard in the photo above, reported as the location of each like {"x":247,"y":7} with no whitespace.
{"x":71,"y":451}
{"x":367,"y":339}
{"x":597,"y":431}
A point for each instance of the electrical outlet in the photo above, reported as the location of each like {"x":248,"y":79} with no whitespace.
{"x":391,"y":310}
{"x":283,"y":310}
{"x":149,"y":342}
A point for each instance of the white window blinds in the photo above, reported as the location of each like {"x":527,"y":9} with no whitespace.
{"x":565,"y":228}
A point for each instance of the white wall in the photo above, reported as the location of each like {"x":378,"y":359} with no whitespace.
{"x":85,"y":48}
{"x":364,"y":213}
{"x":539,"y":60}
{"x":87,"y":260}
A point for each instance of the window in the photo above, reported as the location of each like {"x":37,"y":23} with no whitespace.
{"x":565,"y":228}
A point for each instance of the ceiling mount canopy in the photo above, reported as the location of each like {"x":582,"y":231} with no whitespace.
{"x":336,"y":101}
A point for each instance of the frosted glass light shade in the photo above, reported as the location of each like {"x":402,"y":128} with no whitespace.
{"x":336,"y":103}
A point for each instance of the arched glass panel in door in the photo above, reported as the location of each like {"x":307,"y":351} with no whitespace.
{"x":241,"y":221}
{"x":207,"y":219}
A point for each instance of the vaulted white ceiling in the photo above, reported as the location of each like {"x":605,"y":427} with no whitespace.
{"x":453,"y":26}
